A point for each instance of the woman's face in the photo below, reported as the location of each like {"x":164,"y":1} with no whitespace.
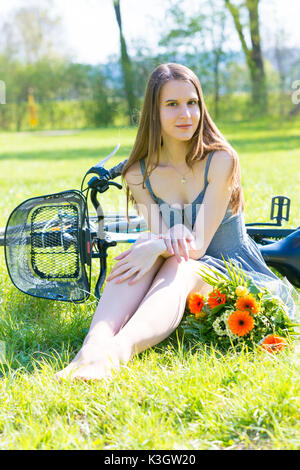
{"x":179,"y":110}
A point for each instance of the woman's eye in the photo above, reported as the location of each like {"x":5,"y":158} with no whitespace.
{"x":190,"y":103}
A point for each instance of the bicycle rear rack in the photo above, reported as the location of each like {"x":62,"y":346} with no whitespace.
{"x":282,"y":202}
{"x":280,"y":210}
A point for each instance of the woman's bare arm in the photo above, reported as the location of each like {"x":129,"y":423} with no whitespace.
{"x":215,"y":202}
{"x":146,"y":206}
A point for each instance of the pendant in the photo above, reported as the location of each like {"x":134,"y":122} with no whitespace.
{"x":183,"y":180}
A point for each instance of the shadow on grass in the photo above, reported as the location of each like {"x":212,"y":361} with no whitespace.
{"x":268,"y":144}
{"x":249,"y":145}
{"x":97,"y":153}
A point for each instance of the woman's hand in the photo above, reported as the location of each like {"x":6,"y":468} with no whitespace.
{"x":179,"y":237}
{"x":135,"y":261}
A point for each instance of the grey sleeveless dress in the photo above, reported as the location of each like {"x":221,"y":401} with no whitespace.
{"x":230,"y":240}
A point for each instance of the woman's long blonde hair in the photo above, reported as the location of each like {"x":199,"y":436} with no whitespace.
{"x":206,"y":138}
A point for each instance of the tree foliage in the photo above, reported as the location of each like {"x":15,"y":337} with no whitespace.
{"x":198,"y":35}
{"x":253,"y":52}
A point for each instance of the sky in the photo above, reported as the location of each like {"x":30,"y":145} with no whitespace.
{"x":91,"y":33}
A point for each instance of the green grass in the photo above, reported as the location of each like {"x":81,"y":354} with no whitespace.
{"x":175,"y":396}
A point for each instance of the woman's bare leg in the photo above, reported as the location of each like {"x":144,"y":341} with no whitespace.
{"x":156,"y":317}
{"x":162,"y":308}
{"x":116,"y":305}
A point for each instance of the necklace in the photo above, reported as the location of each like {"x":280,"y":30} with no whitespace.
{"x":183,"y":175}
{"x":183,"y":178}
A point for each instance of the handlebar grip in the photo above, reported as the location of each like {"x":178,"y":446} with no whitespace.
{"x":117,"y":170}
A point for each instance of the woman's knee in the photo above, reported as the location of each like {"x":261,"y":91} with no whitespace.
{"x":188,"y":274}
{"x":184,"y":267}
{"x":182,"y":272}
{"x":171,"y":264}
{"x":197,"y":283}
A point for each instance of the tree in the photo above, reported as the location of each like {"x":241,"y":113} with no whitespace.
{"x":100,"y":109}
{"x":31,"y":33}
{"x":127,"y":69}
{"x":253,"y":54}
{"x":204,"y":32}
{"x":216,"y":30}
{"x":32,"y":56}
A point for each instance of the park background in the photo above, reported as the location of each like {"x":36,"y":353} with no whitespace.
{"x":87,"y":62}
{"x":72,"y":77}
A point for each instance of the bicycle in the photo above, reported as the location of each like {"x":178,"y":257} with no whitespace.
{"x":50,"y":240}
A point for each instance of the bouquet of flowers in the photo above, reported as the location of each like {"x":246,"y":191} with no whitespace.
{"x":237,"y":312}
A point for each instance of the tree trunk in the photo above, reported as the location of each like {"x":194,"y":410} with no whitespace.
{"x":20,"y":108}
{"x":253,"y":55}
{"x":217,"y":38}
{"x":127,"y":70}
{"x":216,"y":84}
{"x":279,"y":61}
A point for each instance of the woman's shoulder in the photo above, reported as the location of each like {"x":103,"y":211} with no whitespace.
{"x":134,"y":174}
{"x":222,"y":163}
{"x":222,"y":154}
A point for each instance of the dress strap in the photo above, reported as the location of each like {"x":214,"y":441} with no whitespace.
{"x":207,"y":167}
{"x":200,"y":196}
{"x":143,"y":169}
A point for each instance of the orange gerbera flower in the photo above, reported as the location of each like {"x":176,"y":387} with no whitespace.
{"x":247,"y":302}
{"x":273,"y":343}
{"x":216,"y":298}
{"x":195,"y":304}
{"x":240,"y":322}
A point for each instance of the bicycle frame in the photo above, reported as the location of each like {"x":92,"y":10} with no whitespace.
{"x":279,"y":247}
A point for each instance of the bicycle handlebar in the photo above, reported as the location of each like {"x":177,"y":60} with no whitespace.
{"x":105,"y":174}
{"x":117,"y":170}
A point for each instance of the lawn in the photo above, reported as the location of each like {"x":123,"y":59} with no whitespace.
{"x":175,"y":396}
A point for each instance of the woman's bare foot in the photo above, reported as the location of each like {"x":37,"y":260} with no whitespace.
{"x":95,"y":361}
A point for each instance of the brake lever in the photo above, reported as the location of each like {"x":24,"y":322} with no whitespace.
{"x":119,"y":186}
{"x":101,"y":185}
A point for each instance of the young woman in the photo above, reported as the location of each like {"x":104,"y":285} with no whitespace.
{"x":184,"y":178}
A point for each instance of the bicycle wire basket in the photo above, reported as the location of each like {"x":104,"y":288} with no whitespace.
{"x":48,"y":247}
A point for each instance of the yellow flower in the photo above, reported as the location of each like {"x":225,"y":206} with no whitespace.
{"x":241,"y":290}
{"x":201,"y":314}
